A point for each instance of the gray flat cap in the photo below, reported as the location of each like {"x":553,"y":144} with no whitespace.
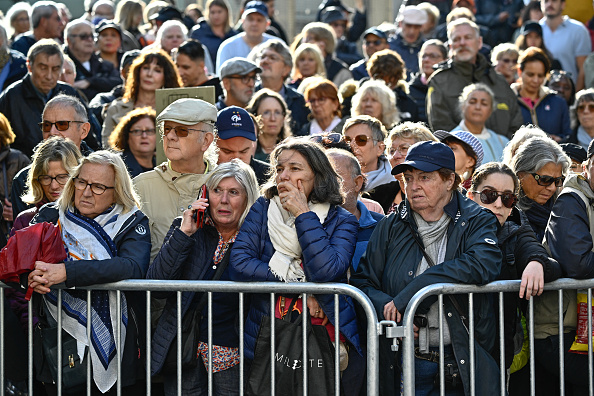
{"x":238,"y":66}
{"x":189,"y":111}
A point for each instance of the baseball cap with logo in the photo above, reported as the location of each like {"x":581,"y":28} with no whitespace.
{"x":255,"y":6}
{"x":233,"y":122}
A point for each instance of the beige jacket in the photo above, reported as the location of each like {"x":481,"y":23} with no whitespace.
{"x":115,"y":111}
{"x":164,"y":195}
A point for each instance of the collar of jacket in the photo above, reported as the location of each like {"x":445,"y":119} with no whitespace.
{"x":543,"y":92}
{"x":474,"y":71}
{"x":366,"y":220}
{"x":452,"y":208}
{"x":514,"y":221}
{"x":415,"y":45}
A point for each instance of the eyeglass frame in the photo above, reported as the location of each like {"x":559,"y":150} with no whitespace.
{"x":246,"y":79}
{"x":51,"y":179}
{"x":42,"y":123}
{"x":538,"y":178}
{"x":91,"y":185}
{"x":163,"y":133}
{"x":140,"y":132}
{"x":348,"y":140}
{"x":499,"y":195}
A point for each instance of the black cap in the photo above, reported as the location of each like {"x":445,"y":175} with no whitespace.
{"x":376,"y":31}
{"x":167,"y":13}
{"x":531,"y":26}
{"x":575,"y":151}
{"x":129,"y":57}
{"x":332,"y":14}
{"x":108,"y":24}
{"x":427,"y":156}
{"x":590,"y":149}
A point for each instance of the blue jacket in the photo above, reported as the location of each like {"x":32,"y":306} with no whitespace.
{"x":387,"y":273}
{"x":367,"y":223}
{"x":17,"y":68}
{"x":409,"y":53}
{"x":203,"y":33}
{"x":23,"y":42}
{"x":359,"y":70}
{"x":327,"y":253}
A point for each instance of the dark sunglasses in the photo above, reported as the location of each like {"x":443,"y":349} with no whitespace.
{"x":180,"y":131}
{"x":375,"y":43}
{"x":360,"y":140}
{"x":548,"y":180}
{"x":61,"y":126}
{"x":489,"y":196}
{"x":326,"y":138}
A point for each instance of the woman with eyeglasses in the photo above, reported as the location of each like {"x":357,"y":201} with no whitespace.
{"x":495,"y":187}
{"x":108,"y":240}
{"x":150,"y":71}
{"x":582,"y":117}
{"x":540,"y":106}
{"x":322,"y":98}
{"x":541,"y":166}
{"x":272,"y":115}
{"x":136,"y":138}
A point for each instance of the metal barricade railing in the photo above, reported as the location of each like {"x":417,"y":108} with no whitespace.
{"x":209,"y":287}
{"x":406,"y":331}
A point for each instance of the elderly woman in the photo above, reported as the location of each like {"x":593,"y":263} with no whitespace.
{"x":297,"y":232}
{"x":467,"y":150}
{"x":582,"y":116}
{"x":504,"y":58}
{"x":436,"y":236}
{"x":322,"y":35}
{"x":17,"y":17}
{"x":308,"y":61}
{"x":375,"y":99}
{"x":388,"y":65}
{"x":495,"y":187}
{"x":432,"y":52}
{"x":477,"y":103}
{"x":322,"y":99}
{"x":540,"y":106}
{"x":107,"y":240}
{"x":541,"y":165}
{"x":272,"y":117}
{"x":136,"y":138}
{"x":201,"y":252}
{"x":400,"y":139}
{"x":150,"y":71}
{"x":170,"y":35}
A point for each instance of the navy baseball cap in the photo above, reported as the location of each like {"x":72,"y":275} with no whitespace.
{"x":233,"y":122}
{"x":427,"y":156}
{"x":375,"y":31}
{"x":255,"y":6}
{"x":531,"y":26}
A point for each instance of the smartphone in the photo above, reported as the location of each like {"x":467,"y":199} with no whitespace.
{"x":200,"y":215}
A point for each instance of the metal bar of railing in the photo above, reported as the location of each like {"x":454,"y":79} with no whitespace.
{"x":272,"y":342}
{"x":118,"y":337}
{"x":304,"y":319}
{"x":561,"y":354}
{"x":502,"y":368}
{"x":209,"y":330}
{"x":441,"y":347}
{"x":148,"y":342}
{"x":531,"y":337}
{"x":179,"y":344}
{"x":241,"y":355}
{"x":30,"y":346}
{"x":336,"y":345}
{"x":89,"y":322}
{"x":471,"y":343}
{"x":59,"y":338}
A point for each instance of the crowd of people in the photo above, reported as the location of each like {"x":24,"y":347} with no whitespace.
{"x":453,"y":145}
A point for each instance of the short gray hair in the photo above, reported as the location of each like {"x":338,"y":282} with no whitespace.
{"x":279,"y":47}
{"x":70,"y":102}
{"x":353,"y":163}
{"x":125,"y":194}
{"x":469,"y":89}
{"x":378,"y":131}
{"x":77,"y":22}
{"x":48,"y":47}
{"x":14,"y":11}
{"x":380,"y":91}
{"x":243,"y":174}
{"x":42,"y":9}
{"x":461,"y":22}
{"x":167,"y":25}
{"x":4,"y":47}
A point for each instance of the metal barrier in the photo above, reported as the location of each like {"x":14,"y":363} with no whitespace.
{"x":149,"y":286}
{"x":406,"y":331}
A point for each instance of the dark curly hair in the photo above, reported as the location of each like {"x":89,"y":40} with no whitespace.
{"x":119,"y":137}
{"x":172,"y":78}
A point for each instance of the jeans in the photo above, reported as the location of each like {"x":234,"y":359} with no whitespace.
{"x":195,"y":382}
{"x":426,"y":372}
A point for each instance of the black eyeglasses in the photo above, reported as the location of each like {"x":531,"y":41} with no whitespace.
{"x":83,"y":37}
{"x":138,"y":132}
{"x":489,"y":196}
{"x":360,"y":140}
{"x":96,"y":188}
{"x":245,"y":79}
{"x":46,"y":180}
{"x":61,"y":126}
{"x":180,"y":130}
{"x":548,"y":180}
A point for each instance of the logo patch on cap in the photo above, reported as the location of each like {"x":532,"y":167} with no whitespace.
{"x":236,"y":119}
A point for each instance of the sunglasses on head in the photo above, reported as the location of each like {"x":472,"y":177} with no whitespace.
{"x":548,"y":180}
{"x":360,"y":140}
{"x":489,"y":196}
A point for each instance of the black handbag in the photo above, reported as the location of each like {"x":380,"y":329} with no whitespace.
{"x":74,"y":371}
{"x":288,"y":362}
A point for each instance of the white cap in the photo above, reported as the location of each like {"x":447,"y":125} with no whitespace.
{"x":413,"y":15}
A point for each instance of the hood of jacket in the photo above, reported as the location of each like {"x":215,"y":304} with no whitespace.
{"x":579,"y":182}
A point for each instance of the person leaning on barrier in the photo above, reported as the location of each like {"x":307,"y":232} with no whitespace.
{"x":494,"y":186}
{"x":570,"y":238}
{"x":298,"y":232}
{"x":434,"y":224}
{"x":195,"y":252}
{"x":108,"y":240}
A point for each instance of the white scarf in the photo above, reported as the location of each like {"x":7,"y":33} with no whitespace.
{"x":382,"y":175}
{"x":285,"y":263}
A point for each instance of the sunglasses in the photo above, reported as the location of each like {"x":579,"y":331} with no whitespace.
{"x":326,"y":138}
{"x":489,"y":196}
{"x":360,"y":140}
{"x":590,"y":106}
{"x":180,"y":131}
{"x":548,"y":180}
{"x":375,"y":43}
{"x":61,"y":126}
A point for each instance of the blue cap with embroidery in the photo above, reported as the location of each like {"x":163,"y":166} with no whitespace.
{"x":427,"y":156}
{"x":233,"y":122}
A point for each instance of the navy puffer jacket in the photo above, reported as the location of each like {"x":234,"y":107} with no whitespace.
{"x":327,"y":253}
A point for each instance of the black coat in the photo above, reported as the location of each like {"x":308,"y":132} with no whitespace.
{"x":102,"y":77}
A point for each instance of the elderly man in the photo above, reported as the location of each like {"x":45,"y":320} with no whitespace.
{"x":468,"y":66}
{"x":187,"y":127}
{"x":255,"y":21}
{"x":238,"y":78}
{"x":276,"y":63}
{"x":47,"y":24}
{"x":189,"y":58}
{"x":408,"y":40}
{"x":236,"y":138}
{"x":63,"y":116}
{"x":22,"y":103}
{"x":93,"y":75}
{"x":366,"y":136}
{"x":374,"y":39}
